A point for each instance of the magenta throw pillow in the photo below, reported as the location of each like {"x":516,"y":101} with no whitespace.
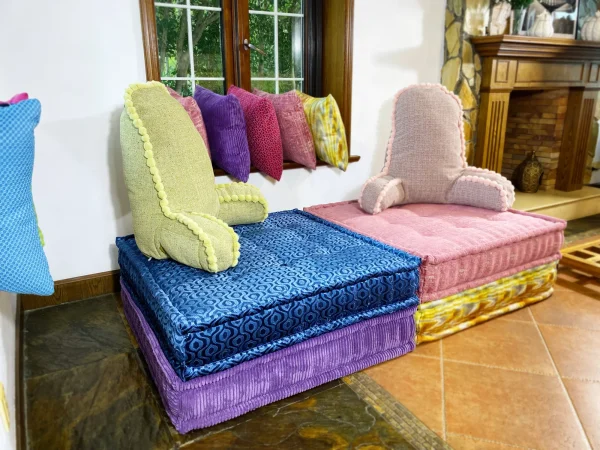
{"x":226,"y":129}
{"x":297,"y":140}
{"x":191,"y":107}
{"x":262,"y":129}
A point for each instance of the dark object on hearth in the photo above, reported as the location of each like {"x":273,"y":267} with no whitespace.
{"x":527,"y":177}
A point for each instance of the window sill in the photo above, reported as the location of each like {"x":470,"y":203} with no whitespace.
{"x":287,"y":165}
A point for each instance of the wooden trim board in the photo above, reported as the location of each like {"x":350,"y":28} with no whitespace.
{"x":73,"y":289}
{"x":19,"y":379}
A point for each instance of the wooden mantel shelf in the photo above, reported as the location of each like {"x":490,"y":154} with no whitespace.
{"x":511,"y":46}
{"x":528,"y":63}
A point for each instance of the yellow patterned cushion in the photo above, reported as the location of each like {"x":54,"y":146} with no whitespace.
{"x":327,"y":128}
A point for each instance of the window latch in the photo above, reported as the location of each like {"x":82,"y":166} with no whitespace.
{"x":248,"y":45}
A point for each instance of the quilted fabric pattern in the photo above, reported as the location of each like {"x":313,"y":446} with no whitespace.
{"x":298,"y":145}
{"x":298,"y":277}
{"x":462,"y":247}
{"x":193,"y":110}
{"x":327,"y":128}
{"x":23,"y":265}
{"x":215,"y":398}
{"x":262,"y":129}
{"x":226,"y":129}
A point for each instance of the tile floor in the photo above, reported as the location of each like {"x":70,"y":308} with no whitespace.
{"x":530,"y":379}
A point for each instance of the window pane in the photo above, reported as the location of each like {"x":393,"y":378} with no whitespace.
{"x":262,"y":35}
{"x":215,"y":86}
{"x":213,"y":3}
{"x":290,"y":47}
{"x":173,"y":53}
{"x":260,"y":5}
{"x":184,"y":87}
{"x":285,"y":86}
{"x":290,"y":6}
{"x":267,"y":86}
{"x":206,"y":37}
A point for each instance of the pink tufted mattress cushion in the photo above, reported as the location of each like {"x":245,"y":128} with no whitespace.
{"x":462,"y":247}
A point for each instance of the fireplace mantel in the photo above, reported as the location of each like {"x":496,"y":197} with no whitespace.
{"x":529,"y":63}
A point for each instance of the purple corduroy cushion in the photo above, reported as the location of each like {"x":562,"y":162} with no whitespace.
{"x":226,"y":129}
{"x":215,"y":398}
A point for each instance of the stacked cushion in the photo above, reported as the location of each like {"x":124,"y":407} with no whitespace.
{"x":191,"y":107}
{"x":327,"y":128}
{"x":262,"y":129}
{"x":296,"y":137}
{"x":226,"y":129}
{"x":298,"y":277}
{"x":23,"y":265}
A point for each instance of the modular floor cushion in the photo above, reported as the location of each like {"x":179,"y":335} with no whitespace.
{"x":298,"y":278}
{"x":215,"y":398}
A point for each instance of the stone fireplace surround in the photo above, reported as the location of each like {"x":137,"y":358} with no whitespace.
{"x":520,"y":63}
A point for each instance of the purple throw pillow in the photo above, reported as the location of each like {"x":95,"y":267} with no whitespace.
{"x":226,"y":129}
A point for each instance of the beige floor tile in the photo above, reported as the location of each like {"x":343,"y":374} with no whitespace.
{"x":416,"y":383}
{"x":501,"y":343}
{"x":576,"y":352}
{"x":459,"y":442}
{"x":429,"y":349}
{"x":586,"y":398}
{"x":568,"y":308}
{"x":512,"y":407}
{"x":520,"y":315}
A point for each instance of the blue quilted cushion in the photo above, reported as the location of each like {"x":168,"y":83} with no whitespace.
{"x":23,"y":264}
{"x":298,"y":277}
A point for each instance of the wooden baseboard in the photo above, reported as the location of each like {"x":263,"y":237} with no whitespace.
{"x":73,"y":289}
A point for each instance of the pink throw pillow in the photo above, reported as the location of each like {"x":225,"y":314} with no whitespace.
{"x":297,"y":140}
{"x":262,"y":130}
{"x":193,"y":110}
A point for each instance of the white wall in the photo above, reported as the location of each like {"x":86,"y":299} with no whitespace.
{"x":8,"y":310}
{"x":77,"y":57}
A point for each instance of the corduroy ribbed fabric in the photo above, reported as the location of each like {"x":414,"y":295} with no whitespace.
{"x":461,"y":247}
{"x":212,"y":399}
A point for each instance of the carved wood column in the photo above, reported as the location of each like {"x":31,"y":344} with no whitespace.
{"x":493,"y":113}
{"x":576,"y":135}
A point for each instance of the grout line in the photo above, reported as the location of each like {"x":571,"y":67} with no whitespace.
{"x":474,"y":438}
{"x":444,"y":430}
{"x":570,"y":327}
{"x":585,"y":380}
{"x":510,"y":369}
{"x":562,"y":384}
{"x":424,"y":356}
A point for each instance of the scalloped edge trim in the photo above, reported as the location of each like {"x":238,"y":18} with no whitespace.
{"x":386,"y":166}
{"x":244,"y":197}
{"x":393,"y":182}
{"x":209,"y":249}
{"x":509,"y":192}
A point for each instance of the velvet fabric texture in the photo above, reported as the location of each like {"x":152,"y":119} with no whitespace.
{"x":425,"y":159}
{"x":262,"y":129}
{"x":226,"y":129}
{"x":23,"y":265}
{"x":175,"y":204}
{"x":327,"y":128}
{"x":212,"y":399}
{"x":461,"y":247}
{"x":193,"y":110}
{"x":296,"y":137}
{"x":298,"y":277}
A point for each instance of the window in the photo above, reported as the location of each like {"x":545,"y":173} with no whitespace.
{"x":272,"y":45}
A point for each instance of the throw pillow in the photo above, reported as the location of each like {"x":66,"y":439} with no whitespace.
{"x":262,"y":129}
{"x":226,"y":129}
{"x":327,"y":127}
{"x":23,"y":265}
{"x":191,"y":107}
{"x":295,"y":135}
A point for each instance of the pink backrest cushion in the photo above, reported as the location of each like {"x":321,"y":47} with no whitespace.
{"x":297,"y":140}
{"x":262,"y":129}
{"x":193,"y":110}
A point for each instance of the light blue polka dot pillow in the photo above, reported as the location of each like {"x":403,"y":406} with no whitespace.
{"x":23,"y":265}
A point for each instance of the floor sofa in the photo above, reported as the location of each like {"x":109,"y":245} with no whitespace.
{"x":323,"y":293}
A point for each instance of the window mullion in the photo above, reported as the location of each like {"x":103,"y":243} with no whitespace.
{"x":190,"y":38}
{"x":276,"y":46}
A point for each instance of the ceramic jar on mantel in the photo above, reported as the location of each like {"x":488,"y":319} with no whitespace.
{"x":542,"y":26}
{"x":591,"y":28}
{"x":527,"y":177}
